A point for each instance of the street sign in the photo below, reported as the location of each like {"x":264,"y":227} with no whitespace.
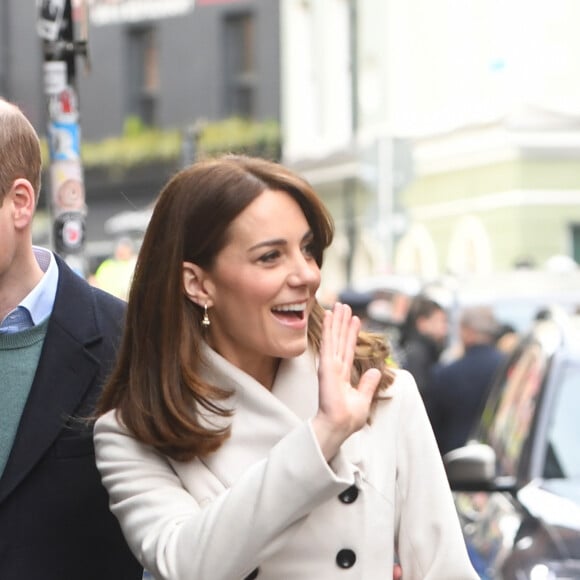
{"x":104,"y":12}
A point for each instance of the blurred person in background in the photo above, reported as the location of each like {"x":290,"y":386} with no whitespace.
{"x":423,"y":338}
{"x":358,"y":302}
{"x":456,"y":392}
{"x":507,"y":338}
{"x":246,"y":432}
{"x":115,"y":273}
{"x":58,"y":340}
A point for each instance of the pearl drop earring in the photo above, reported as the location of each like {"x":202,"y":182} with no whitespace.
{"x":205,"y":322}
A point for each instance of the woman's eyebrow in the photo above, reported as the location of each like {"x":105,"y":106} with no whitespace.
{"x":278,"y":241}
{"x":265,"y":243}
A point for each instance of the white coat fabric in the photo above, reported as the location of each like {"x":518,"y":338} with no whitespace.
{"x":266,"y":505}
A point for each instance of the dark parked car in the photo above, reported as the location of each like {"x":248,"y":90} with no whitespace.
{"x":517,"y":482}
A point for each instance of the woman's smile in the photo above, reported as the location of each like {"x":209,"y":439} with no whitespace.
{"x":293,"y":315}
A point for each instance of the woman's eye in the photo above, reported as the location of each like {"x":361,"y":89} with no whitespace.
{"x":270,"y":256}
{"x":310,"y":249}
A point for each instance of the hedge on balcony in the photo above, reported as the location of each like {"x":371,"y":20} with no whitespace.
{"x":141,"y":145}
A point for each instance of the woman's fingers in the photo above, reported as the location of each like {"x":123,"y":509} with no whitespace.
{"x":350,"y":346}
{"x":345,"y":329}
{"x":342,"y":408}
{"x":339,"y":338}
{"x":369,"y":382}
{"x":326,"y":346}
{"x":343,"y":315}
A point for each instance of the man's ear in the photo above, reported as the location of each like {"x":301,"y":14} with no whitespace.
{"x":23,"y":199}
{"x":196,"y":284}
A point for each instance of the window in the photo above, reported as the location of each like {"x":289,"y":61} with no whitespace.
{"x":240,"y":65}
{"x":142,"y":73}
{"x":563,"y":458}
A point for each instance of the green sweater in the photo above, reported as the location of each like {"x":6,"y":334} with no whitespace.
{"x":19,"y":355}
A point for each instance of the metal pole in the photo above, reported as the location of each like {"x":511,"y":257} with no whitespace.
{"x":349,"y":191}
{"x":56,"y":27}
{"x":353,"y":50}
{"x":385,"y":197}
{"x":350,"y":185}
{"x":5,"y":49}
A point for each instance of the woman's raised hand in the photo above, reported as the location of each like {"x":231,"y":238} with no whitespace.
{"x":343,"y":408}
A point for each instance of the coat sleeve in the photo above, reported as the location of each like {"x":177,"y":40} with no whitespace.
{"x":429,"y":538}
{"x":176,"y":538}
{"x":418,"y":363}
{"x":434,"y":399}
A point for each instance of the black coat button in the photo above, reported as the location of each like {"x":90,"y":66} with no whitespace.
{"x":345,"y":558}
{"x":253,"y":574}
{"x":349,"y":495}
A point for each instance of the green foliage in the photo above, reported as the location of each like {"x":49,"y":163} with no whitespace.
{"x":237,"y":135}
{"x":140,"y":144}
{"x":134,"y":126}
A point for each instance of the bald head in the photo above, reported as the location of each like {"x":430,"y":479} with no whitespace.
{"x":20,"y":156}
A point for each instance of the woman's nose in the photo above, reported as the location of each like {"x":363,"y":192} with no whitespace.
{"x":304,"y":271}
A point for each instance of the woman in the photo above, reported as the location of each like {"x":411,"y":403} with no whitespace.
{"x":231,"y":441}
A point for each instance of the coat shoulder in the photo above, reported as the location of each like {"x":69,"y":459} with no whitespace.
{"x":107,"y":303}
{"x":404,"y":380}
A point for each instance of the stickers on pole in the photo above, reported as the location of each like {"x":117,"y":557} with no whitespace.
{"x":65,"y":142}
{"x":69,"y":232}
{"x":68,"y":206}
{"x":67,"y":183}
{"x":67,"y":187}
{"x":55,"y":79}
{"x":63,"y":127}
{"x":63,"y":105}
{"x":50,"y":17}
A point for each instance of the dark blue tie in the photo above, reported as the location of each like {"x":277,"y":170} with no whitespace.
{"x":17,"y":321}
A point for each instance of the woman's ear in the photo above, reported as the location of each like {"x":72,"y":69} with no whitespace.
{"x":195,"y":283}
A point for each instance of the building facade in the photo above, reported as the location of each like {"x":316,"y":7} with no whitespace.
{"x":441,"y":140}
{"x":443,"y":135}
{"x":147,"y":65}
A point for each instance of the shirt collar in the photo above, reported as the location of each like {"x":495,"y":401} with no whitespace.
{"x":40,"y":300}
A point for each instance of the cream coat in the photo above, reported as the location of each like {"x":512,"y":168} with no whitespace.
{"x":268,"y":499}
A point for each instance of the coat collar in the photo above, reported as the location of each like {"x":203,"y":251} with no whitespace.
{"x":66,"y":370}
{"x":261,"y":417}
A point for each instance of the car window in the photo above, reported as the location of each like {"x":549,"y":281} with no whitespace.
{"x":563,"y":456}
{"x":513,"y":412}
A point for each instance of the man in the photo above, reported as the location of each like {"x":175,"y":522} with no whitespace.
{"x":423,"y":338}
{"x":457,"y":391}
{"x":58,"y":337}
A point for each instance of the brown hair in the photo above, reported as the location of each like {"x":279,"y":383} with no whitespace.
{"x":155,"y":385}
{"x":421,"y":307}
{"x":19,"y":149}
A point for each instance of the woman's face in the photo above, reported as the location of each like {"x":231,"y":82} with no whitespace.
{"x":262,"y":286}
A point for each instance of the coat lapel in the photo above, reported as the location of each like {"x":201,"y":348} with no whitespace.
{"x":261,"y":418}
{"x":65,"y":371}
